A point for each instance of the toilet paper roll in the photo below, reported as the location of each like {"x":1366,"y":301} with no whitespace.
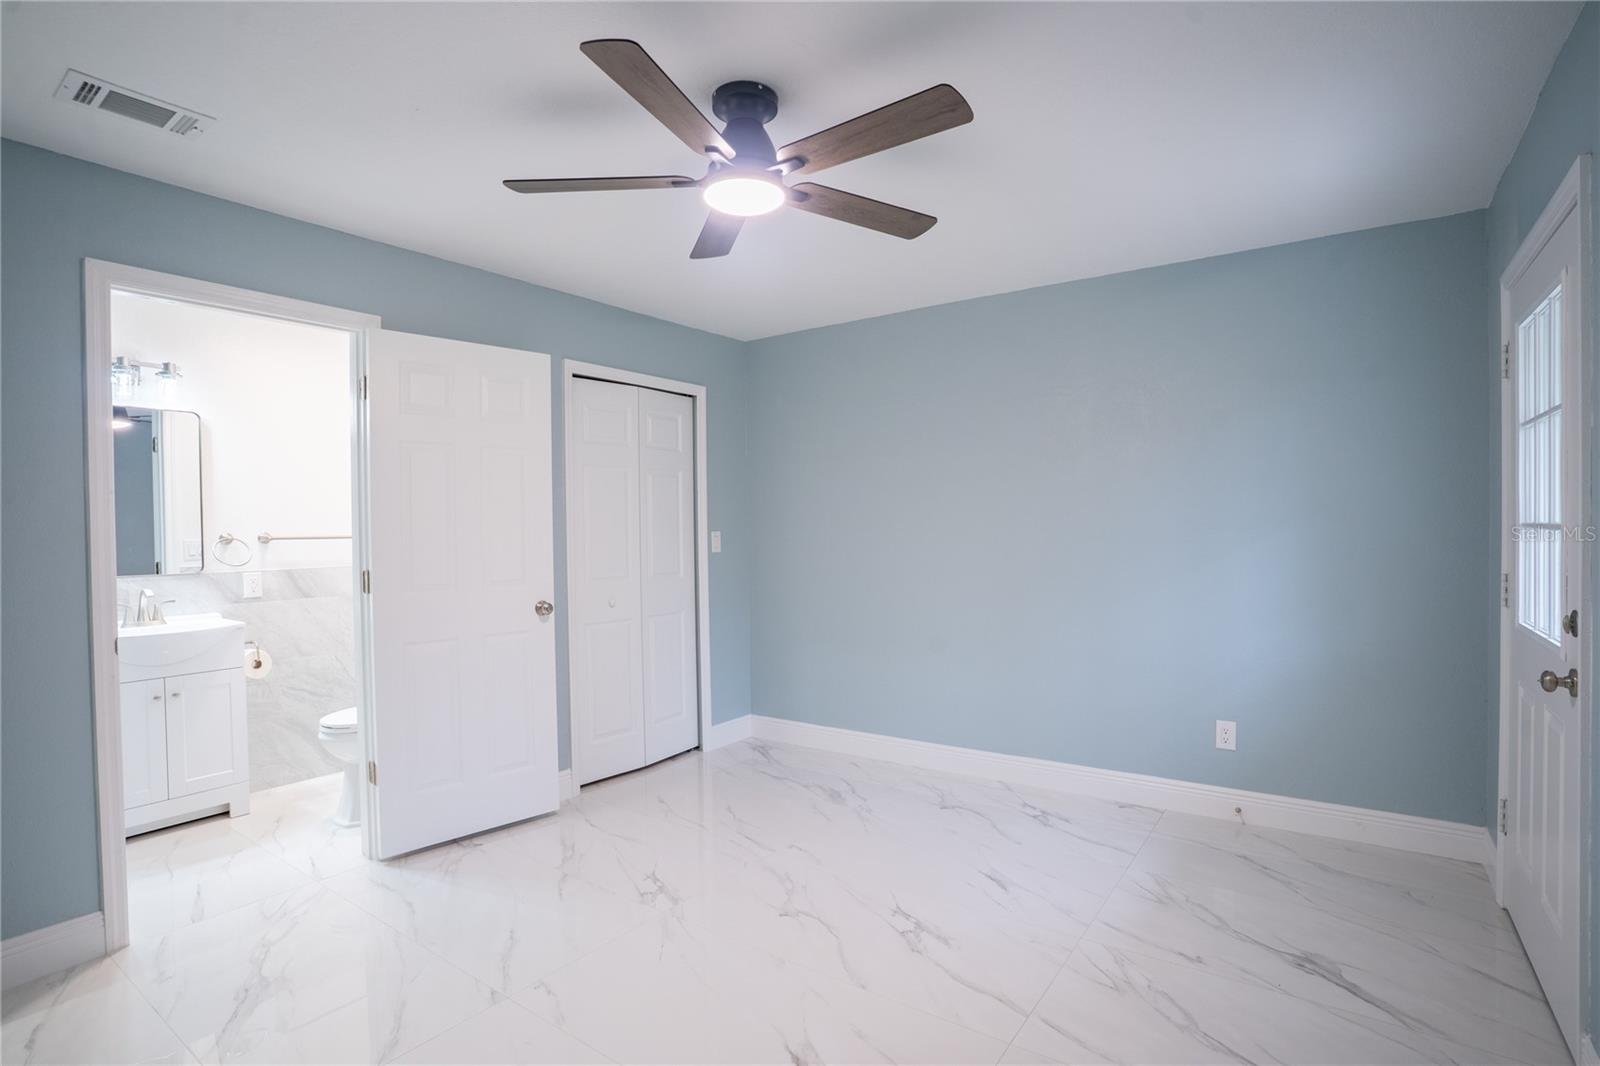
{"x":257,"y":664}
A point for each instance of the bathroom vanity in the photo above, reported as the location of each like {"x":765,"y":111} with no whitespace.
{"x":185,"y":748}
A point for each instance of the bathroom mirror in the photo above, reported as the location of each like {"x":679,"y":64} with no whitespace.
{"x":157,"y":461}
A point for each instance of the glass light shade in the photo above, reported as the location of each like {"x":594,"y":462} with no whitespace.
{"x":744,"y":195}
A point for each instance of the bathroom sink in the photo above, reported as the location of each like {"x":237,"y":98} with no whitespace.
{"x":209,"y":638}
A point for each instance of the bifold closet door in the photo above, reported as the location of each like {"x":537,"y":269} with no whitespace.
{"x":463,"y":636}
{"x":608,"y":674}
{"x":634,"y":678}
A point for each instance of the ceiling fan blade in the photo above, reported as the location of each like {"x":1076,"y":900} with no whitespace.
{"x":928,"y":112}
{"x":655,"y":181}
{"x":860,"y":210}
{"x":717,"y":236}
{"x":632,"y":68}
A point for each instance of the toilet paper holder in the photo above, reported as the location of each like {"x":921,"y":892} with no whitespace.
{"x":253,"y":646}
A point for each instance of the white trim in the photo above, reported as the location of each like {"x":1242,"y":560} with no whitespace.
{"x":99,"y":279}
{"x":564,"y":788}
{"x":52,"y":949}
{"x":1570,"y":195}
{"x":1491,"y":855}
{"x":1430,"y":836}
{"x":730,"y":732}
{"x":1591,"y":1057}
{"x":571,"y":368}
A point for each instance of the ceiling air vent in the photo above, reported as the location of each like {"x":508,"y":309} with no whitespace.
{"x":80,"y":88}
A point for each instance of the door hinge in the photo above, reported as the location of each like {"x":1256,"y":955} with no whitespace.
{"x":1505,"y":589}
{"x":366,"y":582}
{"x":1505,"y":361}
{"x":363,"y":386}
{"x":1505,"y":824}
{"x":372,"y":773}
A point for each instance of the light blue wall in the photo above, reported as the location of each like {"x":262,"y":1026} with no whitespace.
{"x":54,"y":211}
{"x":1565,"y":124}
{"x":1083,"y":522}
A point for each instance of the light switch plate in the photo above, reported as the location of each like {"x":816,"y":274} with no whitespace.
{"x":716,"y":541}
{"x":252,"y":585}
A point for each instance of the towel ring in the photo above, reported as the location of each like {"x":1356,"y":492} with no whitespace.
{"x":225,"y":539}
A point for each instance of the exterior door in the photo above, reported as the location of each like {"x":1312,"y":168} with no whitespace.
{"x":462,"y":578}
{"x":608,"y":734}
{"x":205,"y":747}
{"x":667,"y":585}
{"x":1540,"y":846}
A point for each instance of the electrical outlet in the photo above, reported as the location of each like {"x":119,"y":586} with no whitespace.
{"x":252,"y":585}
{"x":1227,"y":735}
{"x":716,"y":541}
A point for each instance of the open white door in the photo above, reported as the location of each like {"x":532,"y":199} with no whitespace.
{"x":464,"y":735}
{"x":1539,"y":848}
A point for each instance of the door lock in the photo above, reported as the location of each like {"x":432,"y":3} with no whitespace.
{"x":1550,"y":681}
{"x":544,"y":608}
{"x":1569,"y":623}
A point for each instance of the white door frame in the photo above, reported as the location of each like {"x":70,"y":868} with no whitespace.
{"x":1573,"y":194}
{"x":570,"y":369}
{"x":100,"y":279}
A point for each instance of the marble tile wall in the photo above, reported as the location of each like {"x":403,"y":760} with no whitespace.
{"x":304,"y":621}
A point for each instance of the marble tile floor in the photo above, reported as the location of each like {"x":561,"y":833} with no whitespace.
{"x":765,"y":903}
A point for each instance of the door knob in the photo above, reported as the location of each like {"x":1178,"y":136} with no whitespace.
{"x":544,"y":609}
{"x":1550,"y":681}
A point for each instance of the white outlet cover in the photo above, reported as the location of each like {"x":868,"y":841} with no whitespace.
{"x":1227,"y":735}
{"x":716,"y":541}
{"x":252,"y":585}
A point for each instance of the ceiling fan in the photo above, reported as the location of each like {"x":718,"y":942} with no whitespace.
{"x":745,"y":176}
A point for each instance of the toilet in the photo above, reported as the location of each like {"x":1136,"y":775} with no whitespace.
{"x":337,"y":731}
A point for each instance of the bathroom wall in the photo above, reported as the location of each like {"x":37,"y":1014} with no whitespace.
{"x":274,"y":404}
{"x":304,"y":621}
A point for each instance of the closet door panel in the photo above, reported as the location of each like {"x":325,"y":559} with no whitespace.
{"x":607,"y":688}
{"x":667,"y":585}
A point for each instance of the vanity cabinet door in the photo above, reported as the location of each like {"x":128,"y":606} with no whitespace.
{"x":205,"y":731}
{"x":144,"y":743}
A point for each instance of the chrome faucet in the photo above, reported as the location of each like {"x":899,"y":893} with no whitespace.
{"x":149,"y":610}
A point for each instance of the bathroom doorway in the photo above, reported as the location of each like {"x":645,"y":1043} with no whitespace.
{"x":227,"y":552}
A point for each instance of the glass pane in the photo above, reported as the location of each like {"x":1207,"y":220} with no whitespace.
{"x":1538,"y":469}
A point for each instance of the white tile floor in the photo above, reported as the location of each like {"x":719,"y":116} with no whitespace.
{"x":774,"y":904}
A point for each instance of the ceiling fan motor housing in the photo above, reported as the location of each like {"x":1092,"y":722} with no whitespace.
{"x":746,"y":107}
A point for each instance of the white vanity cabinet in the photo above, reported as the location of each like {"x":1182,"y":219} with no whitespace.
{"x":185,"y":747}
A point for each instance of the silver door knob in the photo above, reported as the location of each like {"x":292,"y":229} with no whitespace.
{"x":544,"y":608}
{"x":1550,"y":681}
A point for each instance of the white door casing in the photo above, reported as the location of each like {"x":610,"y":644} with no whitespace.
{"x":461,"y":554}
{"x":667,"y":585}
{"x":603,"y":554}
{"x":1542,"y":737}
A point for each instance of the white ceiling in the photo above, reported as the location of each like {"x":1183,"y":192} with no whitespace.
{"x":1108,"y":136}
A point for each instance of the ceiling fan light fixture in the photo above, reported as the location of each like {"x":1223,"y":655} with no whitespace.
{"x":744,"y":194}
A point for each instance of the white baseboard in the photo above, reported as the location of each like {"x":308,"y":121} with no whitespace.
{"x":1591,"y":1057}
{"x":564,"y":785}
{"x":1491,"y":854}
{"x":1430,"y":836}
{"x":52,"y":949}
{"x":730,"y":732}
